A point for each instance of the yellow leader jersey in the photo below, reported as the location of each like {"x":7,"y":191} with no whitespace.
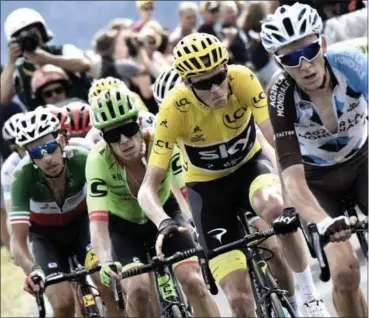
{"x":213,"y":142}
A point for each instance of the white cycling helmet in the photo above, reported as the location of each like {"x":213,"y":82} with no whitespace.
{"x":164,"y":83}
{"x":22,"y":18}
{"x":35,"y":125}
{"x":146,"y":119}
{"x":10,"y":126}
{"x":289,"y":24}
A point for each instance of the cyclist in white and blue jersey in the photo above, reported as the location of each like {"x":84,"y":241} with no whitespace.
{"x":318,"y":110}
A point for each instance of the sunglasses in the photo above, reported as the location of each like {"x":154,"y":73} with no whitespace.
{"x":128,"y":130}
{"x":147,"y":8}
{"x":39,"y":151}
{"x":57,"y":90}
{"x":308,"y":52}
{"x":208,"y":83}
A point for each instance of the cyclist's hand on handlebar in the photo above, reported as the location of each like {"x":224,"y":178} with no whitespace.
{"x":337,"y":229}
{"x":287,"y":223}
{"x":166,"y":228}
{"x":28,"y":285}
{"x":106,"y":273}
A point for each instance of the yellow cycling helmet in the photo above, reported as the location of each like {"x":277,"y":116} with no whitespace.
{"x":102,"y":84}
{"x":198,"y":53}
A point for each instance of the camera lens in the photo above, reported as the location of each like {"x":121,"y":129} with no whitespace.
{"x":28,"y":41}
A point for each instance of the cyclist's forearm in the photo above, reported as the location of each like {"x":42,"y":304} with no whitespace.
{"x":150,"y":203}
{"x":300,"y":197}
{"x":21,"y":254}
{"x":100,"y":240}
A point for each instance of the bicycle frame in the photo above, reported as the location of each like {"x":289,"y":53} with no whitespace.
{"x":262,"y":281}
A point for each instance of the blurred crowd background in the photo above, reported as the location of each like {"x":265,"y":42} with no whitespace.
{"x":133,"y":41}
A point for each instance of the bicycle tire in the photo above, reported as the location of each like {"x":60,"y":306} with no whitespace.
{"x":177,"y":312}
{"x":277,"y":306}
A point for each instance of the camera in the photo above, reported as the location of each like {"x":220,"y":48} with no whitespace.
{"x":27,"y":40}
{"x":133,"y":45}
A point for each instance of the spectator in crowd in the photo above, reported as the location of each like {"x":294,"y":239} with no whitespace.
{"x":187,"y":21}
{"x":210,"y":13}
{"x":27,"y":35}
{"x":235,"y":39}
{"x":164,"y":47}
{"x":50,"y":84}
{"x":105,"y":45}
{"x":145,"y":12}
{"x":6,"y":111}
{"x":121,"y":24}
{"x":263,"y":65}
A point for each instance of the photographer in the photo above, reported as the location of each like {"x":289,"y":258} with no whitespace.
{"x":27,"y":35}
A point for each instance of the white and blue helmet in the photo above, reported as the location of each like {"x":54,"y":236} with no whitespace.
{"x":289,"y":24}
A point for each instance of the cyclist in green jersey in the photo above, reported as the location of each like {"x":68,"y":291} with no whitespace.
{"x":119,"y":227}
{"x":49,"y":208}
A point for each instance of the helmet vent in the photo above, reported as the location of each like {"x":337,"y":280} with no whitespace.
{"x":271,"y":27}
{"x":303,"y":27}
{"x":288,"y":26}
{"x":209,"y":41}
{"x":301,"y":14}
{"x":203,"y":44}
{"x":194,"y":48}
{"x":215,"y":56}
{"x":186,"y":50}
{"x":278,"y":37}
{"x":187,"y":65}
{"x":118,"y":96}
{"x":206,"y":60}
{"x":121,"y":109}
{"x":80,"y":120}
{"x":109,"y":105}
{"x":282,"y":9}
{"x":194,"y":62}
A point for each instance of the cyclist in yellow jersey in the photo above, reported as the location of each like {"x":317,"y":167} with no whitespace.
{"x":212,"y":116}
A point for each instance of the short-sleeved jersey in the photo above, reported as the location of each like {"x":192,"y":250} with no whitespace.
{"x":213,"y":142}
{"x":107,"y":187}
{"x":300,"y":134}
{"x":33,"y":199}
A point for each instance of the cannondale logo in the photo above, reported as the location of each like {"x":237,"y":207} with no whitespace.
{"x":218,"y":234}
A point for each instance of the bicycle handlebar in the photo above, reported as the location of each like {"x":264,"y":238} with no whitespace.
{"x":319,"y":242}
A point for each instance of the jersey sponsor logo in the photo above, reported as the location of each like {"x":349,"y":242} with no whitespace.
{"x":352,"y":64}
{"x":224,"y":154}
{"x":183,"y":105}
{"x":98,"y":188}
{"x":285,"y":134}
{"x":277,"y":95}
{"x":259,"y":101}
{"x":198,"y":138}
{"x":352,"y":106}
{"x":234,"y":120}
{"x":176,"y":164}
{"x":164,"y":123}
{"x":197,"y":129}
{"x":218,"y":233}
{"x":163,"y":144}
{"x":344,"y":125}
{"x":52,"y":265}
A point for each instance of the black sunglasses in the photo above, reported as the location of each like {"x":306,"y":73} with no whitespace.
{"x":57,"y":90}
{"x":128,"y":130}
{"x":207,"y":84}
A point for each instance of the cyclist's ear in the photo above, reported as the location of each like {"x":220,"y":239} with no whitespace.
{"x":324,"y":44}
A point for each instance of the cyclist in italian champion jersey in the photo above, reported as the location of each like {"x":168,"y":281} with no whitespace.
{"x":115,"y":169}
{"x":212,"y":115}
{"x":318,"y":108}
{"x":48,"y":208}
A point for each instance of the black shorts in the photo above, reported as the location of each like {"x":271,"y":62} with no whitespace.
{"x":214,"y":204}
{"x":330,"y":184}
{"x":131,"y":241}
{"x":52,"y":251}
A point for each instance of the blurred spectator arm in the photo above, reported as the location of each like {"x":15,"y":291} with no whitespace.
{"x":127,"y":68}
{"x":7,"y":84}
{"x":72,"y":59}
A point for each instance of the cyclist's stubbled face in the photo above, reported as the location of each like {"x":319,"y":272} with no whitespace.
{"x":50,"y":164}
{"x":127,"y":148}
{"x":309,"y":75}
{"x":217,"y":95}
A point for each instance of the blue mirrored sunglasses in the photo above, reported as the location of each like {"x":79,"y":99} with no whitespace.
{"x":39,"y":151}
{"x":309,"y":52}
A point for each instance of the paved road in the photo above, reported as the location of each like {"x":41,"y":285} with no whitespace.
{"x":324,"y":288}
